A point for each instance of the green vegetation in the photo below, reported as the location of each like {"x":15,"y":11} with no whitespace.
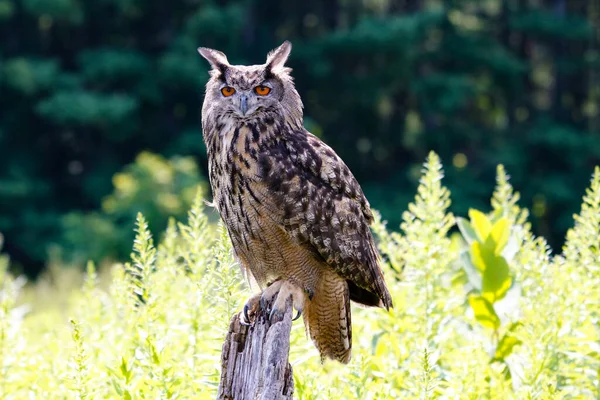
{"x":156,"y":187}
{"x":88,"y":85}
{"x":484,"y":314}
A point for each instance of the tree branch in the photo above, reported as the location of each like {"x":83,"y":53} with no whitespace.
{"x":254,"y":361}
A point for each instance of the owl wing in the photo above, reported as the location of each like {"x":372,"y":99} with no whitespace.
{"x":321,"y":205}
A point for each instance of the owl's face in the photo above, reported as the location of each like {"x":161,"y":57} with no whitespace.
{"x":248,"y":93}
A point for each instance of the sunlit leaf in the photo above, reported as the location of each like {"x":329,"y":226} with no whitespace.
{"x":477,"y":256}
{"x":473,"y":275}
{"x":484,"y":311}
{"x":467,"y":230}
{"x":496,"y":278}
{"x":124,"y":370}
{"x":505,"y":347}
{"x":500,"y":233}
{"x":494,"y":270}
{"x":481,"y":224}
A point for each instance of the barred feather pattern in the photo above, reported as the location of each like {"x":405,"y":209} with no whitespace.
{"x":292,"y":208}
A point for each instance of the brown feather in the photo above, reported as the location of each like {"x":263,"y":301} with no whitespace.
{"x":292,"y":208}
{"x":325,"y":209}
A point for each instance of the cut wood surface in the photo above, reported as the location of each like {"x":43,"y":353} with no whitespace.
{"x":254,"y":361}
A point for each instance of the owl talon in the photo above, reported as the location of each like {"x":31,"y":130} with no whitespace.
{"x":248,"y":314}
{"x":246,"y":317}
{"x":298,"y":314}
{"x":281,"y":291}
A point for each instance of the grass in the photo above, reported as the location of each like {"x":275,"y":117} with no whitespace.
{"x":488,"y":312}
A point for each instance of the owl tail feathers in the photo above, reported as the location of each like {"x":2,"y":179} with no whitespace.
{"x":386,"y":298}
{"x":327,"y":318}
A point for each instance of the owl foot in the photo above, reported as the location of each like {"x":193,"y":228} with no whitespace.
{"x":281,"y":291}
{"x":251,"y":309}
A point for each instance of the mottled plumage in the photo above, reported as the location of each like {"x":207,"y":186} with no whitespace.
{"x":297,"y":218}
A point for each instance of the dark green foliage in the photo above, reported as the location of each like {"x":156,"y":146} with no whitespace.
{"x":85,"y":86}
{"x":157,"y":187}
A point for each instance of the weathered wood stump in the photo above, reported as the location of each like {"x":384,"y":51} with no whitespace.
{"x":254,"y":361}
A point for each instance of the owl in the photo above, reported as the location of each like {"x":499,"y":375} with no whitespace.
{"x":296,"y":216}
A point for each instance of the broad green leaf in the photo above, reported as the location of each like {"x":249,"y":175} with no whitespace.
{"x":484,"y":311}
{"x":500,"y":233}
{"x":496,"y":277}
{"x":466,"y":229}
{"x":505,"y":347}
{"x":494,"y":270}
{"x":477,"y":256}
{"x":480,"y":223}
{"x":473,"y":275}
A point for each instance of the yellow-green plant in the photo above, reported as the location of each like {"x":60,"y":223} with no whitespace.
{"x":496,"y":317}
{"x":486,"y":261}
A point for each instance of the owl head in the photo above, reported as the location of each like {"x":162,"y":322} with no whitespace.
{"x":250,"y":92}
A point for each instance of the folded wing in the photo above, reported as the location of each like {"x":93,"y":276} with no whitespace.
{"x":321,"y":205}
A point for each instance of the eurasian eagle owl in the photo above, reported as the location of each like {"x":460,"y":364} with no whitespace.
{"x":297,"y":217}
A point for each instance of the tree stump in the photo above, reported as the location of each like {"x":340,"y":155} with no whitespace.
{"x":254,"y":361}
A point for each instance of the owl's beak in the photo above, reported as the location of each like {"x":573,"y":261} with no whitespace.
{"x":243,"y":104}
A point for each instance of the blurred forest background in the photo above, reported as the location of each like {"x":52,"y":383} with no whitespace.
{"x":100,"y":105}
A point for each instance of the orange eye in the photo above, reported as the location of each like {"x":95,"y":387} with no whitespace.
{"x":227,"y":91}
{"x":262,"y":90}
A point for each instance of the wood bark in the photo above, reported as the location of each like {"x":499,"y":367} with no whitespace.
{"x":254,"y":361}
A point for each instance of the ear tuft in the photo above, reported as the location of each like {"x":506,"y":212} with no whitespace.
{"x":216,"y":58}
{"x":277,"y":57}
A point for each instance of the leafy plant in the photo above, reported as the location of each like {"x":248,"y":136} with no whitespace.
{"x":496,"y":317}
{"x":486,"y":263}
{"x":85,"y":85}
{"x":157,"y":187}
